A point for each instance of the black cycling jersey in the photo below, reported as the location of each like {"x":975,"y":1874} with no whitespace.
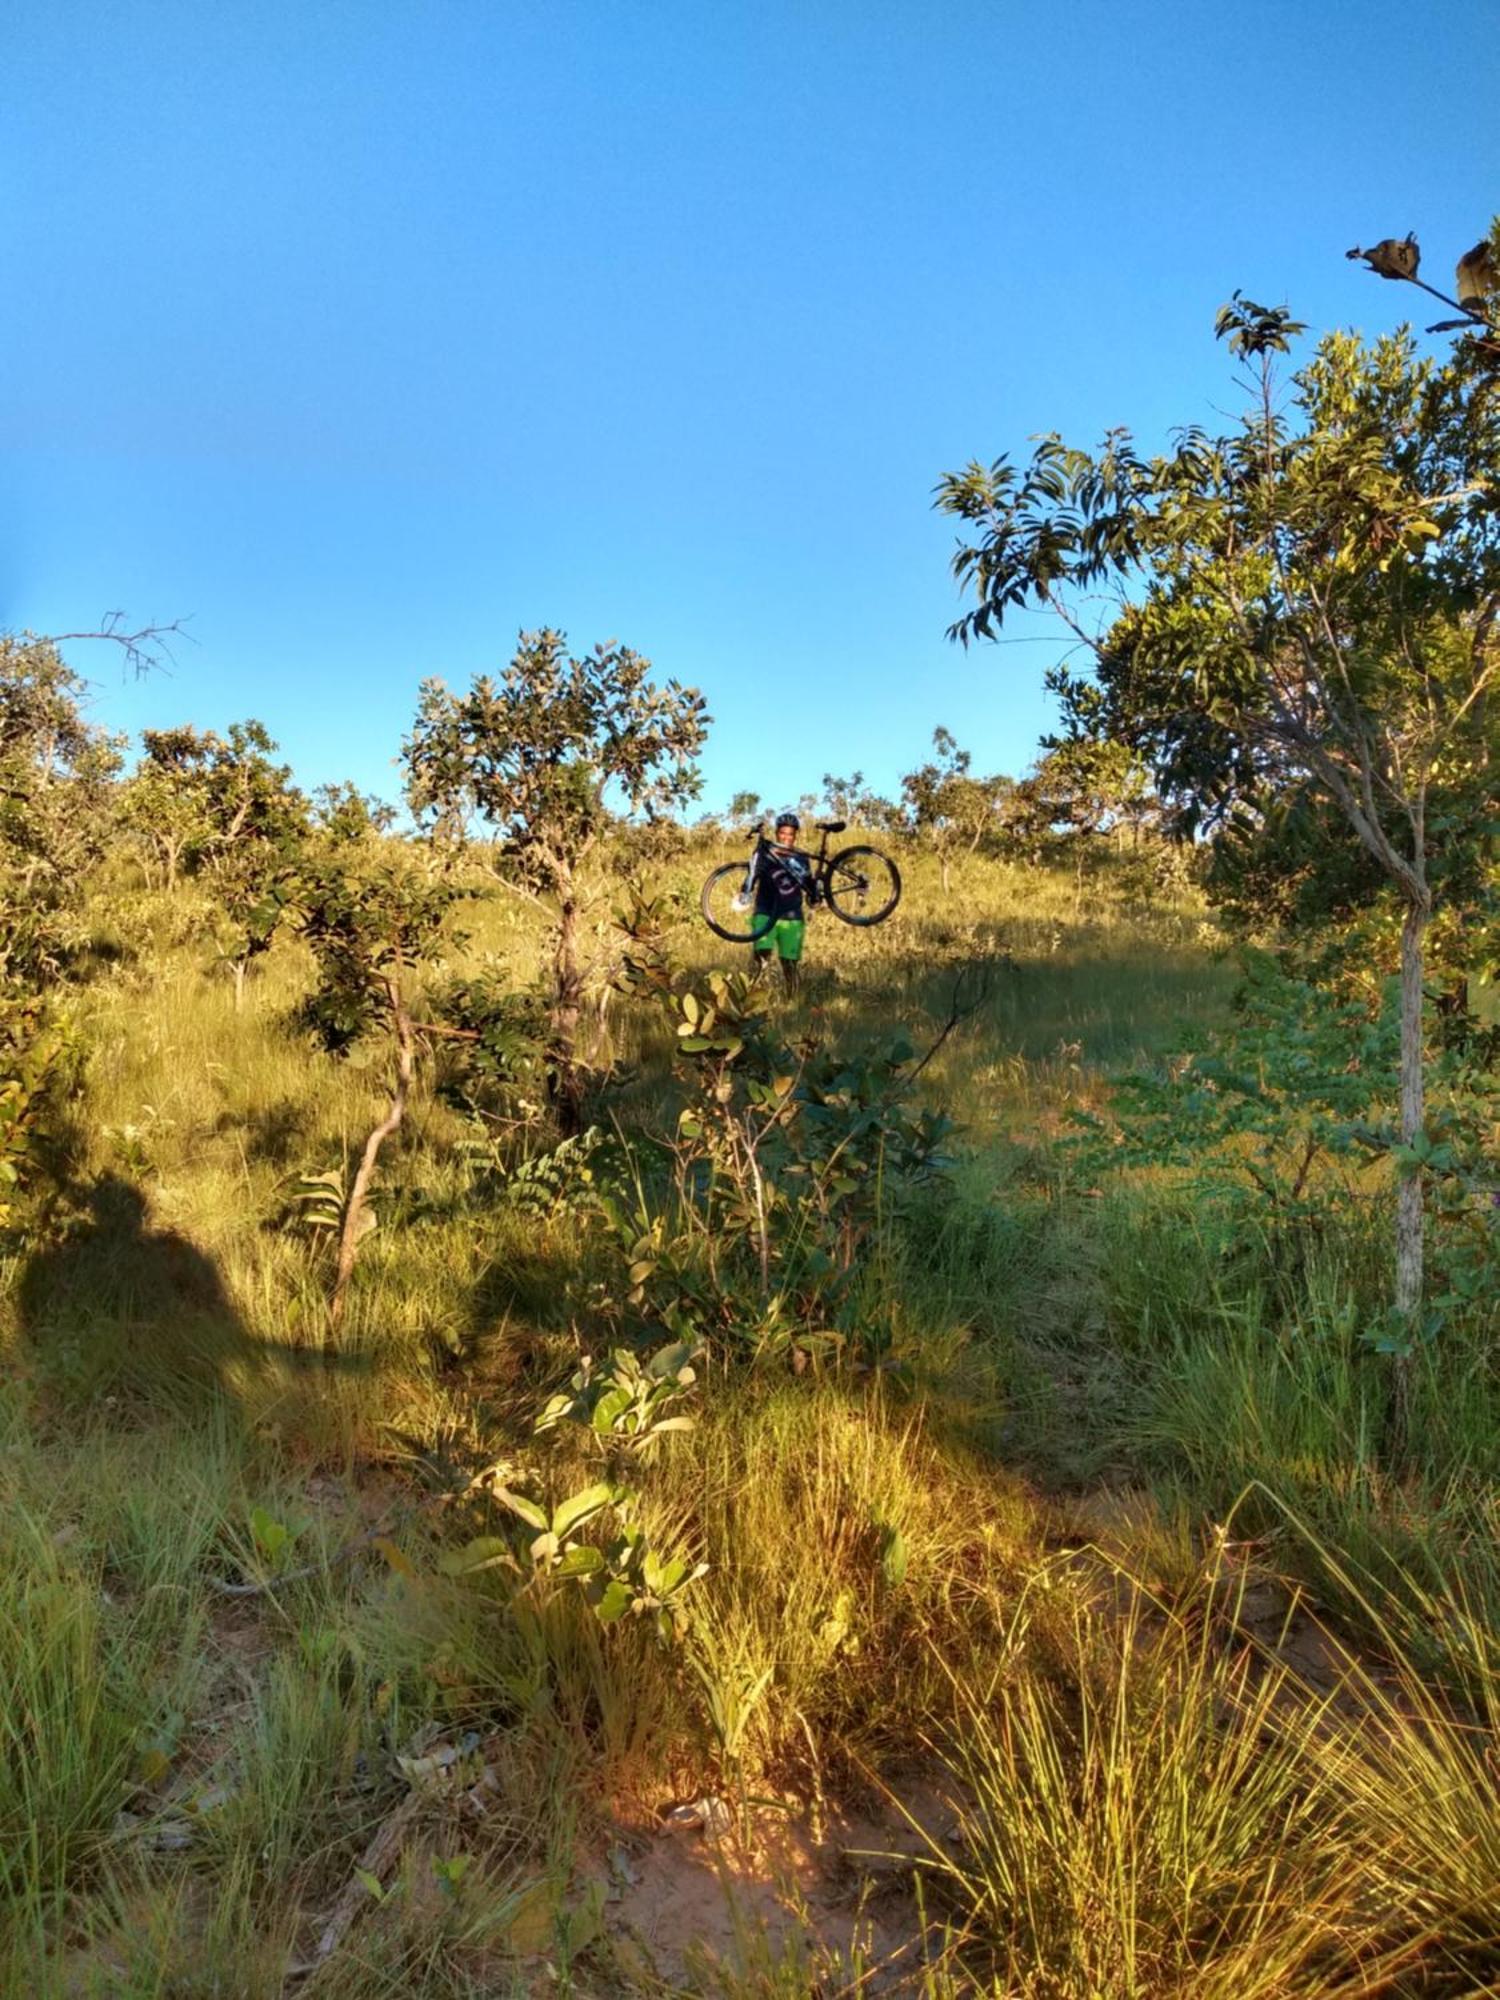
{"x":782,"y":879}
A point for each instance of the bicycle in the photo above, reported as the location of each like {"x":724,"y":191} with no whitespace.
{"x":859,"y":884}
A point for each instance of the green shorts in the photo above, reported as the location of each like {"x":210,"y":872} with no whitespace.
{"x":786,"y":934}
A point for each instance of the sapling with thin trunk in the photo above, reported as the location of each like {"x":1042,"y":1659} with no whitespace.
{"x":370,"y":929}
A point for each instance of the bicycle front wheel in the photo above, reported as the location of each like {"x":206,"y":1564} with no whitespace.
{"x":728,"y":905}
{"x":863,"y":885}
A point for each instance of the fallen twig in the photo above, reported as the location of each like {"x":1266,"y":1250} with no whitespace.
{"x":386,"y":1526}
{"x":377,"y":1860}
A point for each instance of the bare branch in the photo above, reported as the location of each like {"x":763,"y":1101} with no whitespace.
{"x":144,"y":650}
{"x":958,"y":1013}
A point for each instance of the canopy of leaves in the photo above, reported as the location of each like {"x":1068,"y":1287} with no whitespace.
{"x":369,"y":927}
{"x":57,"y":774}
{"x":537,"y":753}
{"x":197,"y":796}
{"x":946,"y":805}
{"x":1308,"y":601}
{"x":1088,"y":784}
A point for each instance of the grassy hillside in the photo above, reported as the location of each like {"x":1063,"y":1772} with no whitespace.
{"x":1064,"y":1632}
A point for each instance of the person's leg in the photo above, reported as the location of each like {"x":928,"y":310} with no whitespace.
{"x":789,"y":935}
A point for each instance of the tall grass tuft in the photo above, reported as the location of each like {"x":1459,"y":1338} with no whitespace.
{"x":70,"y":1719}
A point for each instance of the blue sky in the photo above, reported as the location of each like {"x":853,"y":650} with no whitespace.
{"x":364,"y":335}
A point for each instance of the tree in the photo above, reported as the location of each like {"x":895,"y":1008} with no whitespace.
{"x":57,"y":812}
{"x":947,"y":807}
{"x":57,"y":773}
{"x":848,"y":799}
{"x":1306,"y":605}
{"x":196,"y":797}
{"x":538,"y":754}
{"x":342,"y":814}
{"x":220,"y":807}
{"x":369,"y":930}
{"x":746,"y":809}
{"x":1086,"y":784}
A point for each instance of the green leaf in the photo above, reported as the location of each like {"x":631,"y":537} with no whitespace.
{"x":518,"y":1504}
{"x":271,"y":1535}
{"x":894,"y":1556}
{"x":581,"y":1507}
{"x":612,"y":1602}
{"x":580,"y":1560}
{"x":484,"y":1552}
{"x":673,"y":1360}
{"x":610,"y":1406}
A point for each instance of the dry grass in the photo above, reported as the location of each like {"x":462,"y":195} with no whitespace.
{"x":1148,"y":1801}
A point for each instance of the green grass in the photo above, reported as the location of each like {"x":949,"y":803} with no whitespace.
{"x":1105,"y":1438}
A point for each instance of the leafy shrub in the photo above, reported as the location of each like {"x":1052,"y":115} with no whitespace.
{"x":38,"y":1072}
{"x":787,"y":1162}
{"x":620,"y":1414}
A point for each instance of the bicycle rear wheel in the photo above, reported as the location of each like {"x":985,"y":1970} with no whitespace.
{"x":863,"y":885}
{"x":727,"y":910}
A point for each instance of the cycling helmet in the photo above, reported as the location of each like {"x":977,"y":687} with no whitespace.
{"x":788,"y":818}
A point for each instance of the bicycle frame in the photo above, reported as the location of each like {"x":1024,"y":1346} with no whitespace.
{"x":764,"y":846}
{"x":771,"y":847}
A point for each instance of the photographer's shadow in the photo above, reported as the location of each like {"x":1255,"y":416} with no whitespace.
{"x":115,"y":1306}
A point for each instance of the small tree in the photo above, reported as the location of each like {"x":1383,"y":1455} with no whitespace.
{"x":39,"y":1071}
{"x":539,"y":754}
{"x":1086,"y":785}
{"x":369,"y":929}
{"x":342,"y":814}
{"x":946,"y":806}
{"x":57,"y":774}
{"x":256,"y":886}
{"x":1307,"y":606}
{"x":197,"y":797}
{"x":848,"y":799}
{"x":167,"y":815}
{"x":219,"y":806}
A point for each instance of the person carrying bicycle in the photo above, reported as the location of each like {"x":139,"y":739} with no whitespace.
{"x":783,"y":883}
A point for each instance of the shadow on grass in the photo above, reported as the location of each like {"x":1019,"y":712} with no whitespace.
{"x":114,"y":1305}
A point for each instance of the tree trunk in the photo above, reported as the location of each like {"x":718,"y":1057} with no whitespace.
{"x":567,"y":997}
{"x":349,"y":1236}
{"x":1409,"y":1190}
{"x":1409,"y":1193}
{"x":240,"y":967}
